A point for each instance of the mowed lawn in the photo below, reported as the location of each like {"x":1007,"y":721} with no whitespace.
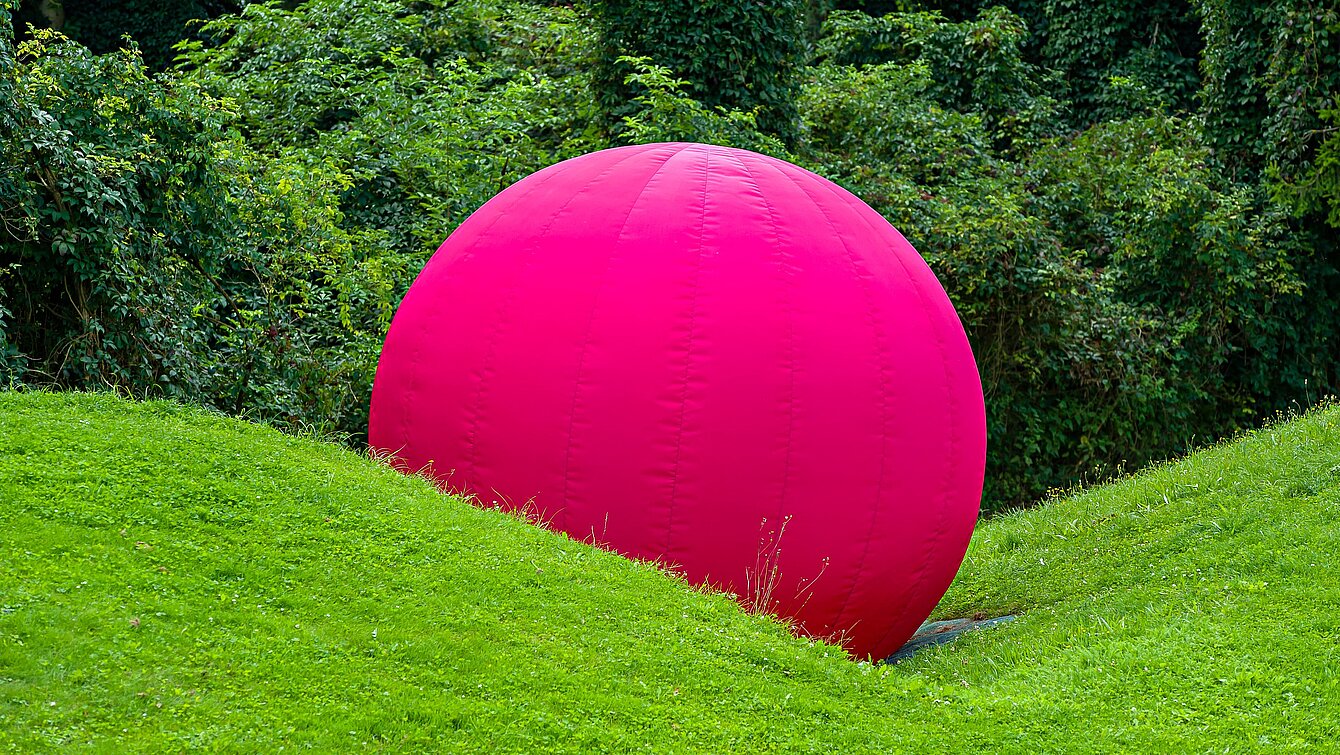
{"x":171,"y":579}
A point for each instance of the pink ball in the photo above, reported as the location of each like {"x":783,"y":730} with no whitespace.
{"x":709,"y":358}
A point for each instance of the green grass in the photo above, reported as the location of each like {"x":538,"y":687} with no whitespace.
{"x":171,"y":579}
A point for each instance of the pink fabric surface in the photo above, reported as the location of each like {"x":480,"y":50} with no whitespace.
{"x":711,"y":358}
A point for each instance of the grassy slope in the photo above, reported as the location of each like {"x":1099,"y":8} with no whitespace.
{"x":169,"y":578}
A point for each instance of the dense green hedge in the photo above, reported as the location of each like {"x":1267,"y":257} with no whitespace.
{"x":1139,"y":265}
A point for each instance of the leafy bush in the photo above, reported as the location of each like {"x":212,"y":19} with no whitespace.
{"x":115,"y":224}
{"x":160,"y":255}
{"x":972,"y":66}
{"x":738,"y":56}
{"x":1133,"y":276}
{"x":669,"y":114}
{"x":1031,"y":309}
{"x":1272,"y":73}
{"x":1108,"y":59}
{"x":1101,"y":47}
{"x":1122,"y":297}
{"x":155,"y":25}
{"x":429,"y":113}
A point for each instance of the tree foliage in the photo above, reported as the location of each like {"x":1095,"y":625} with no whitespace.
{"x":1123,"y":296}
{"x":739,"y":56}
{"x":429,"y":113}
{"x":100,"y":25}
{"x":973,"y":66}
{"x":1132,"y":206}
{"x":150,"y":254}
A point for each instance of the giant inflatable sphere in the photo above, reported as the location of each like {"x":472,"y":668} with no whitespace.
{"x":709,"y":358}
